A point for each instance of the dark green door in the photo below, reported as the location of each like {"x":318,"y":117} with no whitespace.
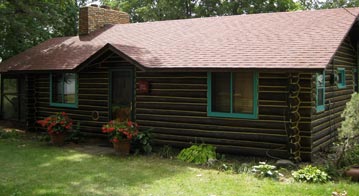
{"x":121,"y":94}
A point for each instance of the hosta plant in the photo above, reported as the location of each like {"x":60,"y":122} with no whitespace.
{"x":311,"y":174}
{"x":198,"y":154}
{"x":266,"y":170}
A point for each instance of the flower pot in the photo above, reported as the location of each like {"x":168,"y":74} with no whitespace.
{"x":57,"y":139}
{"x":353,"y":172}
{"x":122,"y":147}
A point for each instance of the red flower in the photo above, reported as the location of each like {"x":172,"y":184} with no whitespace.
{"x":115,"y":140}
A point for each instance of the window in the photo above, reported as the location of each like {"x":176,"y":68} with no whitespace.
{"x":320,"y":98}
{"x":233,"y":94}
{"x":341,"y":78}
{"x":63,"y":90}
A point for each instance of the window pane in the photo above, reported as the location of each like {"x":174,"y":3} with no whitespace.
{"x":320,"y":96}
{"x":57,"y":88}
{"x":340,"y":77}
{"x":243,"y":92}
{"x":221,"y":92}
{"x":10,"y":86}
{"x":69,"y":88}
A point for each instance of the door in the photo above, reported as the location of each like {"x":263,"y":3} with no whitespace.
{"x":13,"y":99}
{"x":121,"y":94}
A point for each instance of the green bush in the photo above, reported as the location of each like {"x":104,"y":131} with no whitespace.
{"x":167,"y":152}
{"x":142,"y":143}
{"x":311,"y":174}
{"x":348,"y":134}
{"x":351,"y":157}
{"x":265,"y":170}
{"x":198,"y":154}
{"x":350,"y":126}
{"x":9,"y":134}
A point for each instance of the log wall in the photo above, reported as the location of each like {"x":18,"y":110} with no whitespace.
{"x":93,"y":91}
{"x":325,"y":124}
{"x":176,"y":110}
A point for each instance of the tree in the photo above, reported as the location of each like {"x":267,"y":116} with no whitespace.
{"x":26,"y":23}
{"x":153,"y":10}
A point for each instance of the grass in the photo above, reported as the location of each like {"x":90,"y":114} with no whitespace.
{"x":34,"y":168}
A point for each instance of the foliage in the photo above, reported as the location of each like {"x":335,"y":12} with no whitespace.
{"x":26,"y":23}
{"x":120,"y":130}
{"x":266,"y":170}
{"x":56,"y":124}
{"x":143,"y":142}
{"x":311,"y":174}
{"x":38,"y":170}
{"x":198,"y":154}
{"x":167,"y":152}
{"x":9,"y":134}
{"x":351,"y":157}
{"x":76,"y":136}
{"x":348,"y":132}
{"x":350,"y":126}
{"x":149,"y":10}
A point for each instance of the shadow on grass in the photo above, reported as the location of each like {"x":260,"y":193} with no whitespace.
{"x":33,"y":169}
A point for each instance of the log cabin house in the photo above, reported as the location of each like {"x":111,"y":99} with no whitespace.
{"x":258,"y":84}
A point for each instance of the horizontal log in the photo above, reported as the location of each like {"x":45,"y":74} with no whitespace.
{"x":142,"y":75}
{"x":148,"y":98}
{"x":213,"y":121}
{"x":243,"y":143}
{"x":170,"y":112}
{"x":184,"y":80}
{"x":173,"y":106}
{"x":218,"y":129}
{"x":177,"y":86}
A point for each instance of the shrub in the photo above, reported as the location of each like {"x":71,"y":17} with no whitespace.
{"x":265,"y":170}
{"x":348,"y":133}
{"x":351,"y":156}
{"x":167,"y":152}
{"x":142,"y":143}
{"x":198,"y":154}
{"x":9,"y":134}
{"x":350,"y":126}
{"x":75,"y":135}
{"x":311,"y":174}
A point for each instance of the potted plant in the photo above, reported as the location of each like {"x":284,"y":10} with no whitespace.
{"x":120,"y":134}
{"x":57,"y":125}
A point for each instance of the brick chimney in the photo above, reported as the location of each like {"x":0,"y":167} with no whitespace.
{"x":92,"y":18}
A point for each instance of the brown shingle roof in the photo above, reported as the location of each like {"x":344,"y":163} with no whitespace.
{"x":305,"y":39}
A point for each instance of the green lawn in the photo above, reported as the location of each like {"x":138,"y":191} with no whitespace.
{"x":34,"y":168}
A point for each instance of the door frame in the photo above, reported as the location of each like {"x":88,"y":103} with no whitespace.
{"x":133,"y":85}
{"x":20,"y":96}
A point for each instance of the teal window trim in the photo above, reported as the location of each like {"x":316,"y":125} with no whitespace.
{"x":341,"y":83}
{"x":230,"y":114}
{"x":65,"y":105}
{"x":320,"y":108}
